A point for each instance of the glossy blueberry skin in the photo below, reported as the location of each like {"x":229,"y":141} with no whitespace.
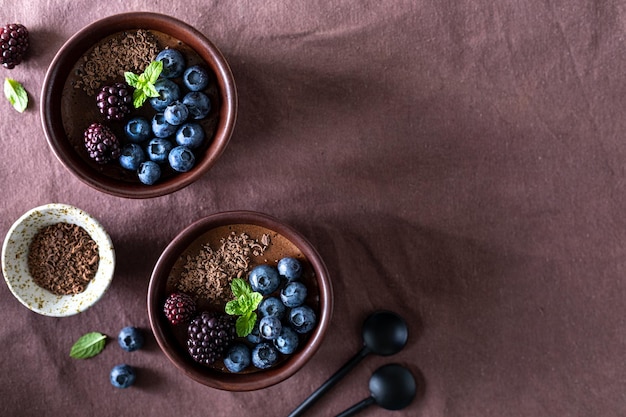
{"x":160,"y":127}
{"x":289,"y":268}
{"x":238,"y":357}
{"x":173,"y":63}
{"x":198,"y":104}
{"x":302,"y":319}
{"x":132,"y":156}
{"x":196,"y":78}
{"x":168,"y":91}
{"x":264,"y":355}
{"x":264,"y":279}
{"x":272,"y":306}
{"x":181,"y":159}
{"x":149,"y":172}
{"x":293,"y":294}
{"x":254,"y":336}
{"x":270,"y":327}
{"x":190,"y":135}
{"x":287,"y":341}
{"x":138,"y":129}
{"x":158,"y":149}
{"x":122,"y":376}
{"x":130,"y":339}
{"x":176,"y":113}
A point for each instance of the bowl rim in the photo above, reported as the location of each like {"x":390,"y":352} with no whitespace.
{"x":78,"y":44}
{"x":38,"y":298}
{"x":250,"y":381}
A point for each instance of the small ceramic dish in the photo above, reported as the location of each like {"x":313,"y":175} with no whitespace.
{"x":15,"y":268}
{"x":68,"y":99}
{"x":213,"y":231}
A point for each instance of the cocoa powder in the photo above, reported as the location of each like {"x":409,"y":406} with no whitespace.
{"x":63,"y":258}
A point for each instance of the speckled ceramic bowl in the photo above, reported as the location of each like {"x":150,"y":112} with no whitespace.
{"x":15,"y":261}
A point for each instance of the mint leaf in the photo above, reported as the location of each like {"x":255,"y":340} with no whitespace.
{"x":234,"y":308}
{"x":240,"y":287}
{"x":88,"y":345}
{"x":16,"y":94}
{"x":245,"y":324}
{"x":144,"y":83}
{"x":245,"y":303}
{"x":153,"y":71}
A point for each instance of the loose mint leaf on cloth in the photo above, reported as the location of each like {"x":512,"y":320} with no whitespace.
{"x":88,"y":345}
{"x":245,"y":303}
{"x":144,"y":83}
{"x":16,"y":94}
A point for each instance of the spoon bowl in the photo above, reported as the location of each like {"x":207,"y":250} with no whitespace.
{"x":392,"y":387}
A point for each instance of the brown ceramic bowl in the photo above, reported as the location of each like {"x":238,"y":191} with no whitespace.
{"x":284,"y":241}
{"x":68,"y":108}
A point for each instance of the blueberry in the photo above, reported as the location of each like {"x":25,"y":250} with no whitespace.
{"x":254,"y":336}
{"x":122,"y":376}
{"x":198,"y":104}
{"x":294,"y":294}
{"x":287,"y":341}
{"x":270,"y":327}
{"x":272,"y":306}
{"x":181,"y":159}
{"x":190,"y":135}
{"x":130,"y":339}
{"x":160,"y":127}
{"x":290,"y":268}
{"x":176,"y":113}
{"x":302,"y":319}
{"x":173,"y":63}
{"x":196,"y":78}
{"x":138,"y":129}
{"x":158,"y":149}
{"x":264,"y":279}
{"x":168,"y":91}
{"x":238,"y":357}
{"x":149,"y":172}
{"x":132,"y":156}
{"x":264,"y":355}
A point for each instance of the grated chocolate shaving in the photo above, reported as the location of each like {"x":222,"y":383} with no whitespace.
{"x":108,"y":60}
{"x":63,"y":258}
{"x":208,"y":274}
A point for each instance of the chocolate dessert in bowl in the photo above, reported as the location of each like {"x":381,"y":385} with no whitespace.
{"x":239,"y":301}
{"x":57,"y":260}
{"x":104,"y":99}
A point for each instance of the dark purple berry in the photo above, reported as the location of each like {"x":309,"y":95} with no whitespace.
{"x":101,"y":143}
{"x":13,"y":44}
{"x":115,"y":101}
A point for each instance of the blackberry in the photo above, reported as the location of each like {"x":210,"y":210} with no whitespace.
{"x":101,"y":143}
{"x":179,"y":308}
{"x":209,"y":337}
{"x":115,"y":101}
{"x":13,"y":44}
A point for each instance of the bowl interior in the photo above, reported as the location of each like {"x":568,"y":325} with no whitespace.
{"x":67,"y":110}
{"x":285,"y":241}
{"x":15,"y":261}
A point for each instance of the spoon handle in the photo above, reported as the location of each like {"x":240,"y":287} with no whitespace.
{"x":357,"y":407}
{"x":330,"y":382}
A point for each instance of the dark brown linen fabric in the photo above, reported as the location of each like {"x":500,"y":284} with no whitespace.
{"x":461,"y":163}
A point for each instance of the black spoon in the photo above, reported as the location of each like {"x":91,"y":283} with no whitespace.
{"x":384,"y":333}
{"x":392,"y":387}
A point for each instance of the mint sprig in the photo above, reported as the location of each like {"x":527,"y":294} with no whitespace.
{"x":144,"y":83}
{"x":244,"y":305}
{"x":88,"y":345}
{"x":16,"y":94}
